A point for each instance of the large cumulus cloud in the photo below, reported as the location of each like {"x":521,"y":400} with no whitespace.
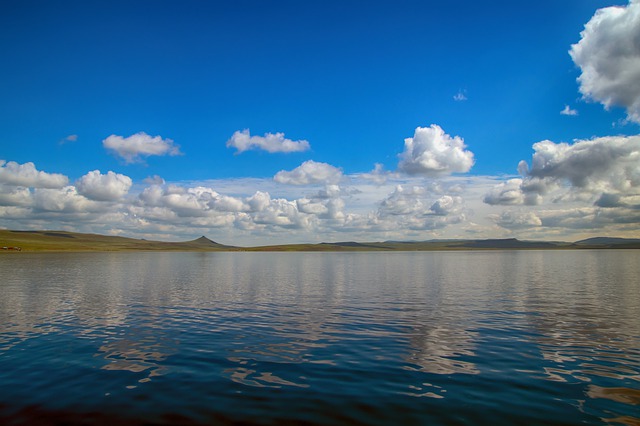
{"x":15,"y":196}
{"x":608,"y":163}
{"x":608,"y":55}
{"x":432,"y":152}
{"x":583,"y":170}
{"x":37,"y":198}
{"x":587,"y":185}
{"x":63,"y":200}
{"x":108,"y":187}
{"x":26,"y":175}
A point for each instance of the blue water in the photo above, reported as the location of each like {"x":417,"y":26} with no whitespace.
{"x":501,"y":337}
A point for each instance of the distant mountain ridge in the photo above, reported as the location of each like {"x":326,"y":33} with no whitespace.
{"x":608,"y":241}
{"x":74,"y":241}
{"x":509,"y":243}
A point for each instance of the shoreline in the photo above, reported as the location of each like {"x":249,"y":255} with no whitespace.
{"x":61,"y":241}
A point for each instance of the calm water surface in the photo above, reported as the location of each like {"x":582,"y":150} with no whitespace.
{"x":505,"y":337}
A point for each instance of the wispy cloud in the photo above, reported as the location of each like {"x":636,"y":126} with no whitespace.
{"x":460,"y":96}
{"x":135,"y":148}
{"x":68,"y":139}
{"x":569,"y":111}
{"x":243,"y":141}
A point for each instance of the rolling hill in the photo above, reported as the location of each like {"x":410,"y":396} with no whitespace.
{"x":72,"y":241}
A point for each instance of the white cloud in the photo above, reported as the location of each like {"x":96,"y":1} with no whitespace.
{"x":506,"y":193}
{"x":603,"y":164}
{"x":310,"y":172}
{"x":68,"y":139}
{"x":198,"y":201}
{"x":14,"y":214}
{"x":256,"y":211}
{"x":64,"y":199}
{"x":306,"y":205}
{"x":432,"y":152}
{"x":608,"y":55}
{"x":569,"y":111}
{"x":322,"y":213}
{"x":15,"y":196}
{"x":517,"y":219}
{"x":135,"y":147}
{"x":154,"y":180}
{"x":583,"y":171}
{"x":404,"y":201}
{"x":589,"y":218}
{"x":325,"y":204}
{"x":281,"y":213}
{"x":446,"y":205}
{"x":259,"y":201}
{"x":589,"y":185}
{"x":378,"y":175}
{"x":99,"y":187}
{"x":460,"y":96}
{"x":242,"y":141}
{"x":12,"y":173}
{"x":414,"y":208}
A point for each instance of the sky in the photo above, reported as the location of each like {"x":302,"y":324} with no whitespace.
{"x":267,"y":122}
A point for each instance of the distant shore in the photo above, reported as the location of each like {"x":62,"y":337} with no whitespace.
{"x":17,"y":241}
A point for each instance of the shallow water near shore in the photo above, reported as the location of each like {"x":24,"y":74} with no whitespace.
{"x":477,"y":337}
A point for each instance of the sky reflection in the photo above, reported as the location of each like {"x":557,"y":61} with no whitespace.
{"x":434,"y":325}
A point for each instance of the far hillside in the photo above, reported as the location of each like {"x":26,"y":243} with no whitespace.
{"x":73,"y":241}
{"x":29,"y":241}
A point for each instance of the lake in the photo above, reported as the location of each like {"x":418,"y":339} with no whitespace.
{"x":475,"y":337}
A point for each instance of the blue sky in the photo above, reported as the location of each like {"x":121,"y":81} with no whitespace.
{"x":343,"y":84}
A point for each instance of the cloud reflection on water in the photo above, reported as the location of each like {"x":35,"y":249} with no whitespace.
{"x":417,"y":324}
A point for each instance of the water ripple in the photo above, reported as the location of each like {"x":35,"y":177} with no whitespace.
{"x":321,"y":338}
